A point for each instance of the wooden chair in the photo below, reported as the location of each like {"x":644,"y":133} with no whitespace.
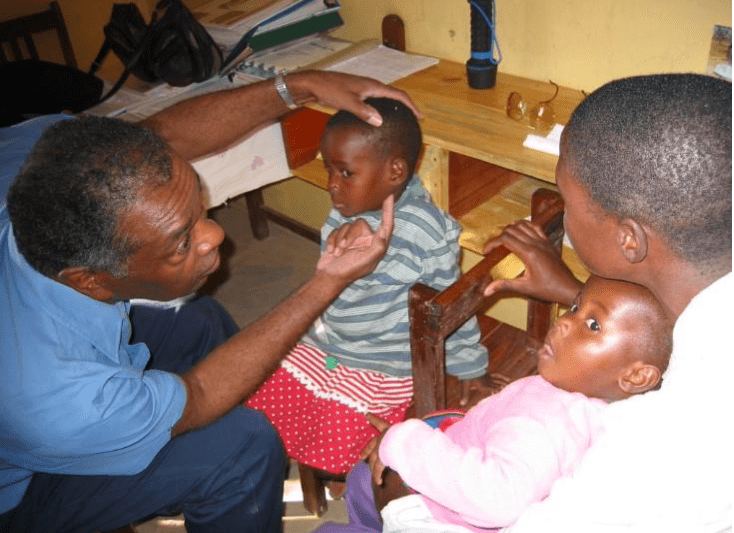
{"x":435,"y":315}
{"x":18,"y":34}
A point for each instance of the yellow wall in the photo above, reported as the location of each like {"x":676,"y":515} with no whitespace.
{"x":578,"y":43}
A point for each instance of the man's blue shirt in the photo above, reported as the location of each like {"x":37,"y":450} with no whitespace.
{"x":74,"y":398}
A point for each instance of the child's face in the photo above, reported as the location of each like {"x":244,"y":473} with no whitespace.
{"x":588,"y":349}
{"x":358,"y":180}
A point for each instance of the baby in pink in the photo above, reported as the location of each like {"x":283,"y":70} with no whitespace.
{"x":485,"y":469}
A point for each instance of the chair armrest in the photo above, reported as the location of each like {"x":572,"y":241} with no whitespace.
{"x":436,"y":315}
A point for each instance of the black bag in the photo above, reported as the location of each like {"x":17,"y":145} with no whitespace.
{"x":173,"y":48}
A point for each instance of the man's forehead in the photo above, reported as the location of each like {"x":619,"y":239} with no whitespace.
{"x":167,"y":207}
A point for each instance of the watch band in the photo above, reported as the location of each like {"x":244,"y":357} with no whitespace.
{"x":283,"y":91}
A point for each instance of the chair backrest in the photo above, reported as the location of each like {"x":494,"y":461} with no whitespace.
{"x":18,"y":34}
{"x":436,"y":315}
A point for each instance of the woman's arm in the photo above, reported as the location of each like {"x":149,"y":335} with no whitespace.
{"x":546,"y":276}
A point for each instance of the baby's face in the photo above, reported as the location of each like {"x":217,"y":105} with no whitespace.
{"x":590,"y":346}
{"x":358,"y":180}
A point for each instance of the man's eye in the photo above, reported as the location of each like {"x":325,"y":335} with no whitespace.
{"x":184,"y":244}
{"x":573,"y":308}
{"x":593,"y":324}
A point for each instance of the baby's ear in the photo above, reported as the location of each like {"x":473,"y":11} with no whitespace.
{"x":639,"y":377}
{"x":398,"y":170}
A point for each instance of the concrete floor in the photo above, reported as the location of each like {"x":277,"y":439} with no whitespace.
{"x":255,"y":276}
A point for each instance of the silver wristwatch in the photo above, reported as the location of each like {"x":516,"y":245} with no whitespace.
{"x":283,"y":91}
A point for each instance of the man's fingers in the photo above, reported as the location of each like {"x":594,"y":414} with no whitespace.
{"x":373,"y":117}
{"x":384,"y":231}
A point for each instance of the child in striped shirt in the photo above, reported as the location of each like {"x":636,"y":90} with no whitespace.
{"x":355,"y":358}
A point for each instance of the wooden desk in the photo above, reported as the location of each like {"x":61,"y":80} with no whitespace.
{"x":474,"y":163}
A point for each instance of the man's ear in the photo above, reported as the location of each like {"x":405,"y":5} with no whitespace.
{"x":89,"y":282}
{"x":398,"y":168}
{"x":639,"y":377}
{"x":632,"y":239}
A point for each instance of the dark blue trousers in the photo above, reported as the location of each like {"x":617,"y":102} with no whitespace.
{"x":226,"y":477}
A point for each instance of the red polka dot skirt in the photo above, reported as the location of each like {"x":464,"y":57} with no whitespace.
{"x":319,"y":411}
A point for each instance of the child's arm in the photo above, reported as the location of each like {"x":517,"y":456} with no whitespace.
{"x":486,"y":487}
{"x":486,"y":469}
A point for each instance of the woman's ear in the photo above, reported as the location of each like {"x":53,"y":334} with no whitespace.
{"x":88,"y":282}
{"x":639,"y":377}
{"x":632,"y":239}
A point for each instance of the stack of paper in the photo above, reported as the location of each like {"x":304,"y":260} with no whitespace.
{"x":291,"y":56}
{"x":373,"y":59}
{"x":244,"y":27}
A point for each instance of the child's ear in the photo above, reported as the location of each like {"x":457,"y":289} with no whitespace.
{"x":639,"y":377}
{"x":398,"y":169}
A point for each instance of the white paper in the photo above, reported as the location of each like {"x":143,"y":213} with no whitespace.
{"x":384,"y":64}
{"x":550,"y":144}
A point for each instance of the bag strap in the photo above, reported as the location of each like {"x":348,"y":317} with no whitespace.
{"x":105,"y":49}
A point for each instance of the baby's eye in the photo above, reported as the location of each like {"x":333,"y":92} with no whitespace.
{"x":347,"y":173}
{"x":574,"y":307}
{"x":593,"y":324}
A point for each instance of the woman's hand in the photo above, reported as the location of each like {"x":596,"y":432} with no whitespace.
{"x":387,"y":484}
{"x":390,"y":489}
{"x":546,"y":276}
{"x":371,"y":452}
{"x":476,"y":389}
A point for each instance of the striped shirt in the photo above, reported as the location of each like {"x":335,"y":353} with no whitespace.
{"x":367,"y":326}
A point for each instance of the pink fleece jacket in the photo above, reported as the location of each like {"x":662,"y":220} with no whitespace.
{"x":502,"y":456}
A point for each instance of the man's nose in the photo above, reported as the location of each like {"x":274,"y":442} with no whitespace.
{"x":212,"y":236}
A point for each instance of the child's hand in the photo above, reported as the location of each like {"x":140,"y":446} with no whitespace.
{"x":371,"y":452}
